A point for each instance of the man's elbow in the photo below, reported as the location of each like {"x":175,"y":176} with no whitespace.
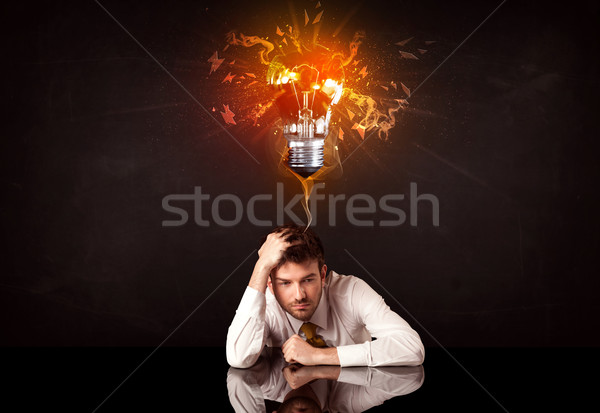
{"x":401,"y":351}
{"x":415,"y":352}
{"x":411,"y":358}
{"x":418,"y":357}
{"x":240,"y":362}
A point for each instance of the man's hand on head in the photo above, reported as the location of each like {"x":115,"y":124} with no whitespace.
{"x":272,"y":250}
{"x":296,"y":350}
{"x":269,"y":255}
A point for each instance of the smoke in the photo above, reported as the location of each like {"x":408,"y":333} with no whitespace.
{"x":372,"y":115}
{"x":332,"y":167}
{"x":249,"y":41}
{"x":354,"y":44}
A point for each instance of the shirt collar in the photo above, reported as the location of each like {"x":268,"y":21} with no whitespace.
{"x":319,"y":317}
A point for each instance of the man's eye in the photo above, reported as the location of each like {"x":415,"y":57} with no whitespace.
{"x":309,"y":280}
{"x":284,"y":283}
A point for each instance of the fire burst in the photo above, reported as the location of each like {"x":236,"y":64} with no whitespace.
{"x":301,"y":91}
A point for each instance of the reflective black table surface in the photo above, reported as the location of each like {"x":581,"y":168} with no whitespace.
{"x":199,"y":379}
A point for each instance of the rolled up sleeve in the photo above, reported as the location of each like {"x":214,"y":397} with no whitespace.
{"x":396,"y":344}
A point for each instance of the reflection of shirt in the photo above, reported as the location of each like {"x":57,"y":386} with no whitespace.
{"x":357,"y":389}
{"x":348,"y":315}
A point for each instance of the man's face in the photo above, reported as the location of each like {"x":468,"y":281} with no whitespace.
{"x":298,"y":288}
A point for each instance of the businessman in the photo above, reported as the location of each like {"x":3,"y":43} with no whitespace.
{"x":316,"y":319}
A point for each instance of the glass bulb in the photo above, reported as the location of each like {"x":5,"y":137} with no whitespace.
{"x":307,"y":87}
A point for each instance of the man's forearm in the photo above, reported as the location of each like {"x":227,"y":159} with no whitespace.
{"x":327,"y":372}
{"x":259,"y":277}
{"x":328,"y":356}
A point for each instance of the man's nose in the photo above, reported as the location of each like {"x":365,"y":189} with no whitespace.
{"x":300,"y":294}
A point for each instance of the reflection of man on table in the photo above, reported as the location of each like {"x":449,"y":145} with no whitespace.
{"x":316,"y":320}
{"x":317,"y":388}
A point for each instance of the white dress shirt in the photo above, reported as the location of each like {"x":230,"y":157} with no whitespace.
{"x":349,"y":313}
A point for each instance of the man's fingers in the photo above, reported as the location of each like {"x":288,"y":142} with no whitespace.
{"x":282,"y":234}
{"x":288,"y":355}
{"x":277,"y":238}
{"x":287,"y":342}
{"x":288,"y":348}
{"x":292,"y":338}
{"x":284,"y":347}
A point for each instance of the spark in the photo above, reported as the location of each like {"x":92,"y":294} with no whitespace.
{"x":228,"y":78}
{"x":407,"y":55}
{"x":215,"y":62}
{"x":403,"y":42}
{"x":228,"y":115}
{"x":405,"y":89}
{"x":360,"y":129}
{"x":318,"y":18}
{"x":363,"y":72}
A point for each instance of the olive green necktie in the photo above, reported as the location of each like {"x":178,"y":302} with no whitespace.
{"x":310,"y":330}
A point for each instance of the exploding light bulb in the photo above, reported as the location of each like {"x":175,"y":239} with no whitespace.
{"x":307,"y":87}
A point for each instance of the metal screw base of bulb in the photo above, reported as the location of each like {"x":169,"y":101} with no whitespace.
{"x":305,"y":157}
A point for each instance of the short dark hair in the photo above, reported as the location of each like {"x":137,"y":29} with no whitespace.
{"x":308,"y":245}
{"x":307,"y":403}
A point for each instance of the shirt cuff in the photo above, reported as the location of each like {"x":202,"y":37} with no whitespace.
{"x":354,"y":354}
{"x":359,"y":376}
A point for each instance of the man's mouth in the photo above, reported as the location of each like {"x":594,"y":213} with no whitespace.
{"x":300,"y":306}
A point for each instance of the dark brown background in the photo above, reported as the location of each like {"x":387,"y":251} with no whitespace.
{"x":97,"y":134}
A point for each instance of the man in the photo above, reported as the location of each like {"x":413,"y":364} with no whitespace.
{"x":315,"y":320}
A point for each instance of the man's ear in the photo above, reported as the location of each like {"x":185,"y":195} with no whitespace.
{"x":323,"y":274}
{"x":270,"y":283}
